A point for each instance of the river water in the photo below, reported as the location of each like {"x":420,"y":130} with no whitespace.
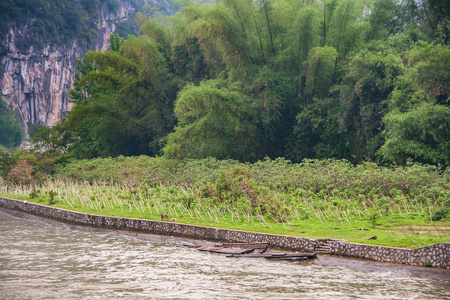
{"x":42,"y":259}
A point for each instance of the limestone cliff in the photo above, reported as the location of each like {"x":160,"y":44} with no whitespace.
{"x":36,"y":81}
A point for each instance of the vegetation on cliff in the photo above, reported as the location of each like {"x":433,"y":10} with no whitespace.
{"x":62,"y":21}
{"x":53,"y":22}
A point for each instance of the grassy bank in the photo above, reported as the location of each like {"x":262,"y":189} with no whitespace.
{"x":317,"y":199}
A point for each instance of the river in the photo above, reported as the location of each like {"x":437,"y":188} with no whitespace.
{"x":42,"y":259}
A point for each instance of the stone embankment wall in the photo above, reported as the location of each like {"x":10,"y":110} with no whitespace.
{"x":435,"y":256}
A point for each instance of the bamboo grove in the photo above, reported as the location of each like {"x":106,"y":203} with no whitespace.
{"x":363,"y":80}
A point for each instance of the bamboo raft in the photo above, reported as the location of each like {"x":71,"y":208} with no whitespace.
{"x":251,"y":250}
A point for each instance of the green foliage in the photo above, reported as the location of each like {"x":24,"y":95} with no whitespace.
{"x":6,"y":162}
{"x":418,"y":122}
{"x":212,"y":121}
{"x":54,"y":21}
{"x":51,"y":195}
{"x":440,"y":214}
{"x":423,"y":134}
{"x":318,"y":199}
{"x":312,"y":179}
{"x":62,"y":21}
{"x":220,"y":86}
{"x":383,"y":20}
{"x":189,"y":62}
{"x":10,"y":131}
{"x":273,"y":105}
{"x":23,"y":167}
{"x":115,"y":42}
{"x":124,"y":101}
{"x":248,"y":79}
{"x":52,"y":139}
{"x":430,"y":64}
{"x":154,"y":31}
{"x":135,"y":170}
{"x":319,"y":68}
{"x":370,"y":79}
{"x":317,"y":134}
{"x":33,"y":129}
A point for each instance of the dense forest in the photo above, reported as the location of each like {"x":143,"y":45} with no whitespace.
{"x":357,"y":80}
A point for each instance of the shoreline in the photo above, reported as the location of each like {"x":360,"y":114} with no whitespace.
{"x":351,"y":263}
{"x":435,"y":256}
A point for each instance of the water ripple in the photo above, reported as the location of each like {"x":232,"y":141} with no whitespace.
{"x":39,"y":261}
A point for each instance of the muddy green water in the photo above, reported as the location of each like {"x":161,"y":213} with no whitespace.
{"x":47,"y":260}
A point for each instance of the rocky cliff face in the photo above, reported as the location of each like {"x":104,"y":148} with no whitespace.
{"x":36,"y":81}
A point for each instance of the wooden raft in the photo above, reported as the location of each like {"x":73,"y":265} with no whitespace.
{"x":278,"y":255}
{"x":251,"y":250}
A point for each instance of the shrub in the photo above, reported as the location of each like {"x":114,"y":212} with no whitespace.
{"x":440,"y":214}
{"x":21,"y":173}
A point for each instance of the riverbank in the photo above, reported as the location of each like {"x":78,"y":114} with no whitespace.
{"x":323,"y":260}
{"x":436,"y":256}
{"x":47,"y":259}
{"x":307,"y":216}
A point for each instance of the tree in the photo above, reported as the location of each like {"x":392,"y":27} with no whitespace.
{"x":212,"y":121}
{"x":431,"y":65}
{"x":189,"y":57}
{"x":115,"y":42}
{"x":307,"y":37}
{"x":224,"y":40}
{"x":54,"y":139}
{"x":425,"y":79}
{"x":249,"y":79}
{"x":159,"y":35}
{"x":11,"y":133}
{"x":418,"y":124}
{"x":347,"y":33}
{"x":317,"y":134}
{"x":384,"y":20}
{"x":124,"y":99}
{"x":363,"y":93}
{"x":319,"y":72}
{"x":274,"y":106}
{"x":422,"y":134}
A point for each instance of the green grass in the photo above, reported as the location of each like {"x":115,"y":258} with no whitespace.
{"x":316,"y":199}
{"x":243,"y":205}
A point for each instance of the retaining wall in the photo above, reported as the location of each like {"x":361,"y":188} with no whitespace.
{"x":435,"y":255}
